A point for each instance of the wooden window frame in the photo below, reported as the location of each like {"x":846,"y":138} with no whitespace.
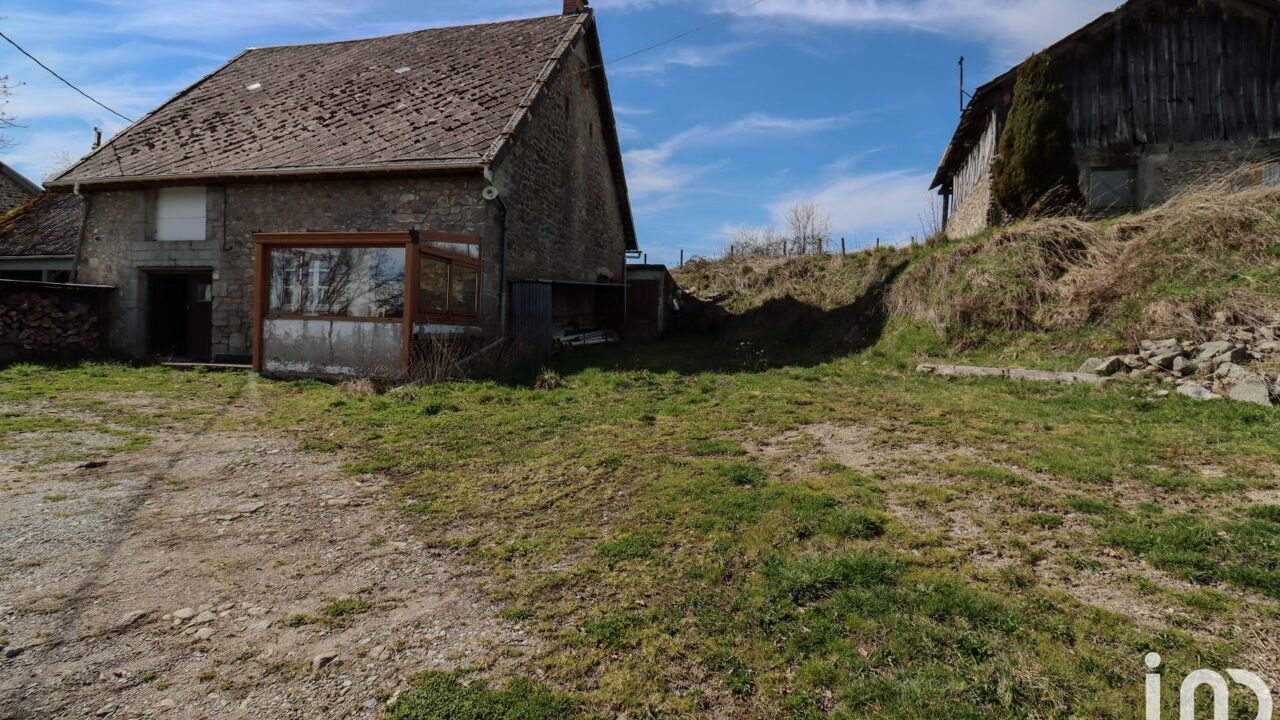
{"x":449,"y":317}
{"x":266,"y":242}
{"x":413,"y":249}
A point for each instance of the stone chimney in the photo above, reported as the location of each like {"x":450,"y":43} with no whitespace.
{"x":574,"y":7}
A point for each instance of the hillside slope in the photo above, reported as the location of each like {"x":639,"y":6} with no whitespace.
{"x":1200,"y":262}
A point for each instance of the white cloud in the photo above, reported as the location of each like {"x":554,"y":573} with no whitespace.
{"x":692,"y":57}
{"x":1013,"y":28}
{"x":226,"y":18}
{"x":890,"y":205}
{"x":39,"y":155}
{"x":658,"y":174}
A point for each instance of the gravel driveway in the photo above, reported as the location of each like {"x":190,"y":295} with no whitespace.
{"x":224,"y":575}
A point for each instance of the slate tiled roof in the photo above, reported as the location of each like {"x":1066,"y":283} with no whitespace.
{"x":44,"y":225}
{"x":341,"y":105}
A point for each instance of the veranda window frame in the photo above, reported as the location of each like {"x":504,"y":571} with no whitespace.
{"x":414,"y":250}
{"x":449,"y":316}
{"x":266,"y":242}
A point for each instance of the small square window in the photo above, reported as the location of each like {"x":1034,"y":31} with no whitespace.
{"x":1112,"y":188}
{"x":180,"y":214}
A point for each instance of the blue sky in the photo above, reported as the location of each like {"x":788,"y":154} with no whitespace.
{"x":846,"y":103}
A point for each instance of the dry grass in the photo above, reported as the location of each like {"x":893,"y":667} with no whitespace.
{"x":739,"y":282}
{"x":358,"y":388}
{"x":1002,"y":281}
{"x":1213,"y":250}
{"x":1201,"y":260}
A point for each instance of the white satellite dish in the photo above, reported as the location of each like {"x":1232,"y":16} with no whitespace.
{"x":489,"y":193}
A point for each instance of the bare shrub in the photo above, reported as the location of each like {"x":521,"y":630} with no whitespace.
{"x":549,"y":380}
{"x":808,"y":233}
{"x":441,"y":357}
{"x":809,"y":228}
{"x":436,"y":358}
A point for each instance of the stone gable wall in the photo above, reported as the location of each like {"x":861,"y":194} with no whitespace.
{"x":12,"y":194}
{"x":564,"y":220}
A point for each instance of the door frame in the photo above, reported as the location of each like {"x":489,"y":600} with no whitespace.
{"x":147,"y":309}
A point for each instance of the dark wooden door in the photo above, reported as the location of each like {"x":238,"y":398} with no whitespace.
{"x":642,"y":308}
{"x":200,"y":317}
{"x":180,"y":316}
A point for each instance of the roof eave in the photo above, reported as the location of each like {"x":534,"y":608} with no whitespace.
{"x":464,"y":165}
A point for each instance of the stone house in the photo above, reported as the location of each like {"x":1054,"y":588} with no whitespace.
{"x":38,"y":238}
{"x":15,"y":189}
{"x":1164,"y":94}
{"x":321,"y":209}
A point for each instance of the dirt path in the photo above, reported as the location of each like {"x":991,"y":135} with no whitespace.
{"x":189,"y":579}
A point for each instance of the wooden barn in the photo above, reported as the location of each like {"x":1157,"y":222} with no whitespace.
{"x":1164,"y":94}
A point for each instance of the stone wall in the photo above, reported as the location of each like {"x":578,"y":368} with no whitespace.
{"x":12,"y":194}
{"x":976,"y":213}
{"x":1164,"y":171}
{"x":564,"y":221}
{"x":120,"y":247}
{"x":1161,"y":171}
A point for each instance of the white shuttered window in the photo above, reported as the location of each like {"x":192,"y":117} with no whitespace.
{"x":180,"y":214}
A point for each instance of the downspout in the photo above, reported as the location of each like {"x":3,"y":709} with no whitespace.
{"x":502,"y":267}
{"x":84,"y":225}
{"x":502,"y":260}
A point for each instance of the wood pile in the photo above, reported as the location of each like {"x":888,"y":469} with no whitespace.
{"x":41,"y":326}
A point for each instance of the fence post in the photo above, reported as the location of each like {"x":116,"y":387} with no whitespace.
{"x":877,"y":244}
{"x":842,"y":250}
{"x":681,"y":258}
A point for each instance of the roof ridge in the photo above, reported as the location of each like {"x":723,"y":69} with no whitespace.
{"x":388,"y":36}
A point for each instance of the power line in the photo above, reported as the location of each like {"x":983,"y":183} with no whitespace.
{"x":68,"y":83}
{"x":687,"y":33}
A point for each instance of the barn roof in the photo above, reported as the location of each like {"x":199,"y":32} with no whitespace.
{"x":438,"y":98}
{"x":973,"y":121}
{"x":47,"y":225}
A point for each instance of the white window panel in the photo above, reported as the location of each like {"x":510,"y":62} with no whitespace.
{"x":180,"y":214}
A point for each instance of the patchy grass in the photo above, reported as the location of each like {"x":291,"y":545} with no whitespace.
{"x":442,"y":696}
{"x":676,"y":561}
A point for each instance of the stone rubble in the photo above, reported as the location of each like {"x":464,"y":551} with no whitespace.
{"x":1203,"y":371}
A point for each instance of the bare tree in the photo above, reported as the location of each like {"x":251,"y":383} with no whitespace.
{"x":760,"y":242}
{"x":931,"y":227}
{"x":6,"y":120}
{"x":809,"y":228}
{"x":62,"y":161}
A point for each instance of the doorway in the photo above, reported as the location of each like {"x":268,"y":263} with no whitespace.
{"x":180,"y":315}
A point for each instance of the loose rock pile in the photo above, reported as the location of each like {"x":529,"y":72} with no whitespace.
{"x":1204,"y":371}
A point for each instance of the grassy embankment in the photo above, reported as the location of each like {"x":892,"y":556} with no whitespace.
{"x":785,"y":521}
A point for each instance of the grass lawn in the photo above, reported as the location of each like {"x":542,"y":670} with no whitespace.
{"x":837,"y":538}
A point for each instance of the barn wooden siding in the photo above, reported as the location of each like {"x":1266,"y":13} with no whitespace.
{"x":1174,"y":72}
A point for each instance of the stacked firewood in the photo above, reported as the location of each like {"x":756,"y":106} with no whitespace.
{"x":42,"y":327}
